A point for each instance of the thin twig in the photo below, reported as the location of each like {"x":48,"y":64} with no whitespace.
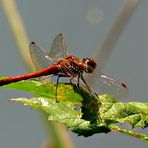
{"x":18,"y":29}
{"x":115,"y":31}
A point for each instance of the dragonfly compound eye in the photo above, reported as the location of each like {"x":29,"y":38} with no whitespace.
{"x":90,"y":65}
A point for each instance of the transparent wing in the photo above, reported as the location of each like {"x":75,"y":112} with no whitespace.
{"x":103,"y":84}
{"x":58,"y":48}
{"x":39,"y":57}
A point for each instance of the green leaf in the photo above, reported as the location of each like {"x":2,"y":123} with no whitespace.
{"x":110,"y":112}
{"x":64,"y":113}
{"x":44,"y":89}
{"x":93,"y":115}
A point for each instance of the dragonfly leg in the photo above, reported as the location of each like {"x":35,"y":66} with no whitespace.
{"x":71,"y":80}
{"x":88,"y":86}
{"x":85,"y":83}
{"x":57,"y":82}
{"x":93,"y":93}
{"x":78,"y":82}
{"x":78,"y":86}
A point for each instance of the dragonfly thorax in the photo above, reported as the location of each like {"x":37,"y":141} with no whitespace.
{"x":90,"y":65}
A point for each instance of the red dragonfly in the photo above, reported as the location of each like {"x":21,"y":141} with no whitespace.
{"x":59,"y":62}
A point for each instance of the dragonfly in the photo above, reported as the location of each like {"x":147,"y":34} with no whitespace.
{"x":59,"y":62}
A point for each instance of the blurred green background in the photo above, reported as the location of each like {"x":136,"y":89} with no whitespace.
{"x":84,"y":24}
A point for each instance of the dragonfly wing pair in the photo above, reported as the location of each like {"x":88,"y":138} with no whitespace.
{"x":101,"y":84}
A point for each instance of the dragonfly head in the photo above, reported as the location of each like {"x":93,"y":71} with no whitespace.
{"x":90,"y":65}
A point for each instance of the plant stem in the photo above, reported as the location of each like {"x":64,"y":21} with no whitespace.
{"x":17,"y":27}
